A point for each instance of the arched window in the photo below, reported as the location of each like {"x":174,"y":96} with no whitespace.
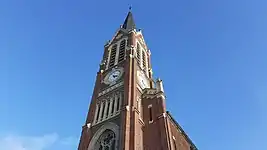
{"x":103,"y":111}
{"x":106,"y":141}
{"x":112,"y":55}
{"x":105,"y":138}
{"x":107,"y":112}
{"x":98,"y":111}
{"x":113,"y":105}
{"x":122,"y":51}
{"x":118,"y":102}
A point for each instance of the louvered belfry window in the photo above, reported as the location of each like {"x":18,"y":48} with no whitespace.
{"x":138,"y":53}
{"x":144,"y":59}
{"x":113,"y":55}
{"x":122,"y":51}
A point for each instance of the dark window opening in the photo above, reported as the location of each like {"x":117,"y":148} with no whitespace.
{"x":98,"y":111}
{"x":112,"y":108}
{"x":118,"y":103}
{"x":107,"y":110}
{"x":122,"y":51}
{"x":113,"y":55}
{"x":102,"y":115}
{"x":150,"y":114}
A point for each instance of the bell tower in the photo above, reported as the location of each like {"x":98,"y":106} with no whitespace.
{"x":127,"y":109}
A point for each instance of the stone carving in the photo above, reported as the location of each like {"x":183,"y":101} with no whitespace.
{"x":151,"y":93}
{"x":108,"y":106}
{"x":110,"y":89}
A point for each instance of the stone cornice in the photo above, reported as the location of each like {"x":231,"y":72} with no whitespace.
{"x":110,"y":88}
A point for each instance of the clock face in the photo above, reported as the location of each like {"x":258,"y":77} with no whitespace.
{"x":142,"y":80}
{"x":113,"y":76}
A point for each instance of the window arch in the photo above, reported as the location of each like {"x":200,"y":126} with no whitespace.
{"x":106,"y":141}
{"x":122,"y":51}
{"x":107,"y":136}
{"x":112,"y":55}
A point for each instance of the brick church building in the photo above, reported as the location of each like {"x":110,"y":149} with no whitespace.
{"x":128,"y":107}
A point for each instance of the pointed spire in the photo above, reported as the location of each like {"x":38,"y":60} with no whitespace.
{"x":129,"y":21}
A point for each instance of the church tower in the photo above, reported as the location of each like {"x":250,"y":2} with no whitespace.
{"x":127,"y":109}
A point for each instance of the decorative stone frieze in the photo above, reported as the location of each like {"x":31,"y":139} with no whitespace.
{"x":109,"y":89}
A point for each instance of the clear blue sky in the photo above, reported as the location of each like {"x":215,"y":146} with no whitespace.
{"x":211,"y":55}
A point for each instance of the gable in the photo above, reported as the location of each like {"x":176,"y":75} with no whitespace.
{"x":120,"y":33}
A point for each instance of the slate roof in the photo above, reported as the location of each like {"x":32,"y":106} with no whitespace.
{"x":129,"y":23}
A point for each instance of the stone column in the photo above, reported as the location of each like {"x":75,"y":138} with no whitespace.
{"x":100,"y":113}
{"x":115,"y":106}
{"x":120,"y":100}
{"x":96,"y":111}
{"x":106,"y":108}
{"x":110,"y":106}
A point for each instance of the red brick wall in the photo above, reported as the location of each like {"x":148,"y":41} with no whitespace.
{"x":155,"y":133}
{"x":181,"y":142}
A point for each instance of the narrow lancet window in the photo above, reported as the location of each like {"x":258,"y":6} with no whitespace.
{"x":113,"y":105}
{"x":113,"y":55}
{"x":107,"y":109}
{"x":103,"y":111}
{"x":118,"y":103}
{"x":150,"y":114}
{"x":97,"y":117}
{"x":122,"y":51}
